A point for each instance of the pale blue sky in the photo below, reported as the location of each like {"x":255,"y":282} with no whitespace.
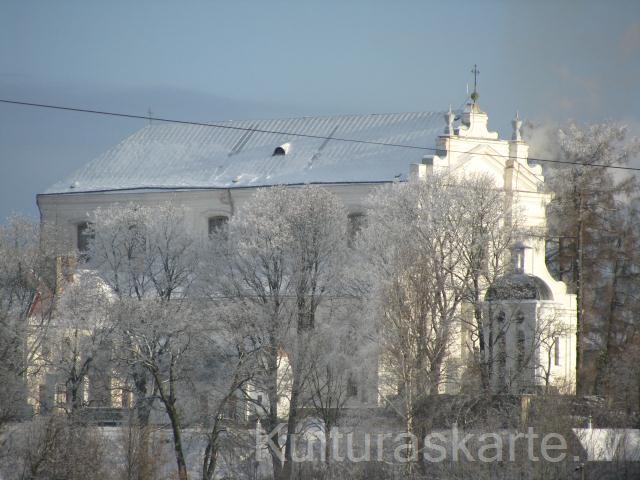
{"x":214,"y":60}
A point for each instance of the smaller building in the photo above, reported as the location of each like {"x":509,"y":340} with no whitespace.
{"x":531,"y":335}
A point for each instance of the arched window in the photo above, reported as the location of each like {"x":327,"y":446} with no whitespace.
{"x":556,"y":351}
{"x":84,"y":236}
{"x":518,"y":253}
{"x":217,"y":224}
{"x":520,"y":349}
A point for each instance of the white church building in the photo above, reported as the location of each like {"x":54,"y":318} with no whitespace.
{"x":212,"y":171}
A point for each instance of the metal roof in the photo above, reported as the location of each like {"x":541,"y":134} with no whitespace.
{"x":178,"y":156}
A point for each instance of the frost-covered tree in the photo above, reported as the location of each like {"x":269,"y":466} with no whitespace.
{"x":148,"y":258}
{"x":55,"y":446}
{"x":487,"y":230}
{"x":248,"y":265}
{"x":284,"y":256}
{"x":409,"y":244}
{"x":588,"y":204}
{"x":317,"y":222}
{"x":178,"y":345}
{"x":337,"y":352}
{"x":27,"y":285}
{"x":431,"y":246}
{"x":78,"y":341}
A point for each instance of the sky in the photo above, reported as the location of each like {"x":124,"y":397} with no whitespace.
{"x":551,"y":60}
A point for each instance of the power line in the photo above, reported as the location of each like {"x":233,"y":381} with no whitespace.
{"x":294,"y":134}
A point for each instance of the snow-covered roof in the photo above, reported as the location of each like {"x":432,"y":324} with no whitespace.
{"x":610,"y":444}
{"x":178,"y":156}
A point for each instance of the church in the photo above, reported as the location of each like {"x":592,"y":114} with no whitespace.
{"x":213,"y":169}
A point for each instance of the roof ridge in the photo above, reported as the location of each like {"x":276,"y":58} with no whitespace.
{"x":341,"y":115}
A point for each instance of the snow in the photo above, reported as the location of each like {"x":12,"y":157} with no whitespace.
{"x":173,"y":156}
{"x":609,"y":444}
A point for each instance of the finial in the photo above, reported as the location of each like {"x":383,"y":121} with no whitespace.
{"x":449,"y":117}
{"x":475,"y":95}
{"x":517,"y":126}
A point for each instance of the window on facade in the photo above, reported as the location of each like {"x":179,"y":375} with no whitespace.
{"x":125,"y":400}
{"x":356,"y":223}
{"x":519,"y":261}
{"x":520,"y":349}
{"x":231,"y":408}
{"x":84,"y":235}
{"x":44,"y":403}
{"x":502,"y":361}
{"x":62,"y":395}
{"x":556,"y":351}
{"x":217,"y":224}
{"x":352,"y":386}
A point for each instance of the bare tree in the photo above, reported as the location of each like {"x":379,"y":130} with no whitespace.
{"x":338,"y":351}
{"x":222,"y":374}
{"x":584,"y":205}
{"x":55,"y":446}
{"x":119,"y":252}
{"x":148,"y":258}
{"x":317,"y":223}
{"x":248,"y":264}
{"x":284,"y":257}
{"x":432,"y":246}
{"x":79,"y":334}
{"x":178,"y":340}
{"x":486,"y":233}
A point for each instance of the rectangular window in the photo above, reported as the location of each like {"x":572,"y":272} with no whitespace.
{"x":62,"y":395}
{"x":556,"y":351}
{"x":43,"y":399}
{"x":217,"y":224}
{"x":352,"y":386}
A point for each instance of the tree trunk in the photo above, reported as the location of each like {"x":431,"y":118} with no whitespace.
{"x":579,"y":296}
{"x":271,"y":421}
{"x":177,"y":442}
{"x":291,"y":424}
{"x":169,"y":402}
{"x":603,"y":363}
{"x":485,"y":379}
{"x":210,"y":454}
{"x":327,"y":444}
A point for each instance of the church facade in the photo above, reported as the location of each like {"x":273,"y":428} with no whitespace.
{"x":212,"y":171}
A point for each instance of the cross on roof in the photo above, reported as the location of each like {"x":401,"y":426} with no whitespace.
{"x":476,"y":72}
